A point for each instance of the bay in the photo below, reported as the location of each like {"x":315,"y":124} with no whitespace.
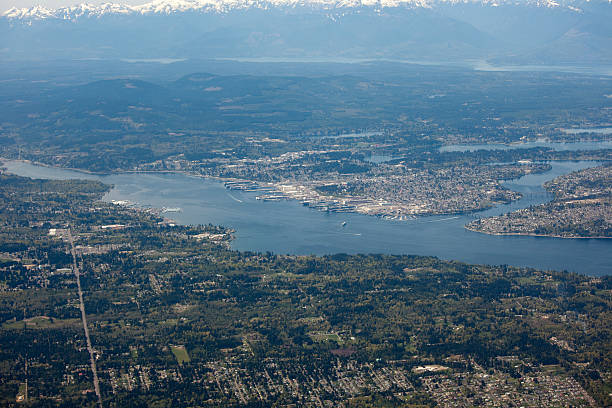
{"x":287,"y":227}
{"x":556,"y":146}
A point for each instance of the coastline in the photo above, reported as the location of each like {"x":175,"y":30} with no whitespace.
{"x":109,"y":173}
{"x":367,"y":210}
{"x":272,"y":227}
{"x":526,"y":234}
{"x":295,"y":193}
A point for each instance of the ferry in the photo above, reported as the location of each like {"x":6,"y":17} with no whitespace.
{"x":171,"y":209}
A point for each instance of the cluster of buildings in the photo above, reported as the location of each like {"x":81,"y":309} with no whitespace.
{"x":581,"y":208}
{"x":320,"y":179}
{"x":232,"y":380}
{"x":495,"y":388}
{"x":391,"y":191}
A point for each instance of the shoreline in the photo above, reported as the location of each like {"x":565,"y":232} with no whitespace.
{"x":526,"y":234}
{"x":383,"y":216}
{"x":111,"y":173}
{"x":288,"y":196}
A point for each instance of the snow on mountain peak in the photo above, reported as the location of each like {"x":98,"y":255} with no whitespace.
{"x":32,"y":13}
{"x":178,"y":6}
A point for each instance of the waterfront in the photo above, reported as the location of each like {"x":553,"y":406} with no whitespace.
{"x":289,"y":227}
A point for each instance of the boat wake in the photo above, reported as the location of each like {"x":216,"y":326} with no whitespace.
{"x":444,"y":219}
{"x":234,"y":198}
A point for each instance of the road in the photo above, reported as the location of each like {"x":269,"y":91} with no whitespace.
{"x":92,"y":356}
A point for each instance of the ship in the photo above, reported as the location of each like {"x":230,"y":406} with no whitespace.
{"x":171,"y":209}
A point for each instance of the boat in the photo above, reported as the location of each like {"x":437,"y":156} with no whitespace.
{"x":171,"y":209}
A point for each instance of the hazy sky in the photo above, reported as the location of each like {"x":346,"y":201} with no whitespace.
{"x":7,"y":4}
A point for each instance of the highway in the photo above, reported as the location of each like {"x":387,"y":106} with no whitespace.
{"x":92,"y":357}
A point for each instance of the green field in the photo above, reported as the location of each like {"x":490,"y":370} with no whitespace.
{"x":324,"y":337}
{"x":180,"y":352}
{"x":41,"y":322}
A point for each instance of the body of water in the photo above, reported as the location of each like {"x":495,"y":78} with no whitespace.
{"x":557,"y":146}
{"x":289,"y":227}
{"x":599,"y":131}
{"x":349,"y":135}
{"x":475,"y":64}
{"x":381,"y":158}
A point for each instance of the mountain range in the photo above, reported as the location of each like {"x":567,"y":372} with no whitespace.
{"x":574,"y":32}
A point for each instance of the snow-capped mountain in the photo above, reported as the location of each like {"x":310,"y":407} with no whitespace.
{"x":525,"y":31}
{"x":221,"y":6}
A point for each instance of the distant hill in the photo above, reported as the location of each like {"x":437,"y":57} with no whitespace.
{"x":534,"y":32}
